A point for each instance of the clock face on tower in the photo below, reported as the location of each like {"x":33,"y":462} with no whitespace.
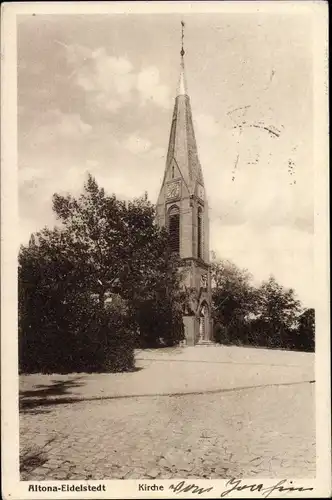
{"x":173,"y":190}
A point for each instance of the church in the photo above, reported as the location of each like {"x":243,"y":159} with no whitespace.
{"x":182,"y":208}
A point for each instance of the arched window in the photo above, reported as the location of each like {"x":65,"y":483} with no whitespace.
{"x":173,"y":171}
{"x":174,"y":229}
{"x":200,"y":233}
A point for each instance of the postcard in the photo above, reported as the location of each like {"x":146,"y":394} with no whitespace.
{"x":165,"y":250}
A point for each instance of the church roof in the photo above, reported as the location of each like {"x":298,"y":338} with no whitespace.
{"x":182,"y":148}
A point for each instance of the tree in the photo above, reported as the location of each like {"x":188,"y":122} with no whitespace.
{"x":278,"y":311}
{"x":234,"y":301}
{"x":266,"y":316}
{"x":305,"y":334}
{"x":157,"y":307}
{"x":129,"y":252}
{"x":104,"y":247}
{"x":60,"y":325}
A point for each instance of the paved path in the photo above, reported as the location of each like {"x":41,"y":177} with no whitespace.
{"x":195,"y":412}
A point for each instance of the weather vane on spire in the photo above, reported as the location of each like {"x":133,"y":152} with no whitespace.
{"x":182,"y":37}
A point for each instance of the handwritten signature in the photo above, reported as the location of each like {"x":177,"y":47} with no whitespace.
{"x":283,"y":486}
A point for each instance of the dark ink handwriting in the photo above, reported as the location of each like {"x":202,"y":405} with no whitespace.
{"x":182,"y":487}
{"x":236,"y":485}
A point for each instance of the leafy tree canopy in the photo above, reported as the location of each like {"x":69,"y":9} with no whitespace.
{"x":269,"y":315}
{"x":103,"y":248}
{"x":278,"y":305}
{"x":233,"y":292}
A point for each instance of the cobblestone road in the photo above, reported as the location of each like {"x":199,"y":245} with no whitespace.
{"x":265,"y":431}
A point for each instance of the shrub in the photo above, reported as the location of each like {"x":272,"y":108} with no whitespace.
{"x":81,"y":337}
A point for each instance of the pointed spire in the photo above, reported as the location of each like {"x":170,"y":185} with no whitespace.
{"x":182,"y":87}
{"x":182,"y":148}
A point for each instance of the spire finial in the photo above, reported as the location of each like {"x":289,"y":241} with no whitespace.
{"x":182,"y":88}
{"x":182,"y":37}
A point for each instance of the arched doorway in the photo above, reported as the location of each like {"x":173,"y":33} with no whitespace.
{"x":204,"y":331}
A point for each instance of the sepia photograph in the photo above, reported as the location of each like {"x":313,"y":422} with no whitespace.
{"x":168,"y":289}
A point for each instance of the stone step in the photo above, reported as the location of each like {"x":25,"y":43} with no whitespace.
{"x":205,"y":342}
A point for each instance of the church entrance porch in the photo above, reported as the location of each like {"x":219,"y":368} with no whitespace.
{"x":197,"y":328}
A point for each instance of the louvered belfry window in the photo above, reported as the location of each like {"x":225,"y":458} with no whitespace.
{"x":174,"y":229}
{"x":199,"y":232}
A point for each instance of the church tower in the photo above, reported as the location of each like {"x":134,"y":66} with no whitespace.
{"x":182,"y":208}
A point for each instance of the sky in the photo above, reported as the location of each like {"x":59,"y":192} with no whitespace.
{"x":96,"y":94}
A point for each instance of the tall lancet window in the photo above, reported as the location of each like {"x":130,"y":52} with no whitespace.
{"x":200,"y":233}
{"x":174,"y":229}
